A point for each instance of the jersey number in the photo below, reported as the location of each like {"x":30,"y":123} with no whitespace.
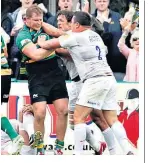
{"x":99,"y":51}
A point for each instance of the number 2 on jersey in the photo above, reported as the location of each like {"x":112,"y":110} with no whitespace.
{"x":99,"y":51}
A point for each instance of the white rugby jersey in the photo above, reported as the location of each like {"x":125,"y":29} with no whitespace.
{"x":70,"y":67}
{"x":88,"y":52}
{"x":69,"y":63}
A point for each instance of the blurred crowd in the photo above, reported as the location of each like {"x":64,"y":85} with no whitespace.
{"x":120,"y":32}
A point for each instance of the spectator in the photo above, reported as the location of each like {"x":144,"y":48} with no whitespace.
{"x":131,"y":54}
{"x":110,"y":20}
{"x":63,"y":5}
{"x":120,"y":6}
{"x":132,"y":16}
{"x":46,"y":14}
{"x":15,"y":24}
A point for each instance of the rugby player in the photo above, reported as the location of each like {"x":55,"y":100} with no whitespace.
{"x":45,"y":79}
{"x":99,"y":85}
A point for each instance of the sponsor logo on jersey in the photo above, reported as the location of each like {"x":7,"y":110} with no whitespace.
{"x":23,"y":42}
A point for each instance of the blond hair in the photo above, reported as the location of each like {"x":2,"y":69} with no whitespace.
{"x":33,"y":9}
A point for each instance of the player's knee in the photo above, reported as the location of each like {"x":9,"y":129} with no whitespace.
{"x":102,"y":124}
{"x":40,"y":115}
{"x":63,"y":111}
{"x":111,"y":117}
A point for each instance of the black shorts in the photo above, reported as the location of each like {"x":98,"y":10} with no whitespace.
{"x":46,"y":82}
{"x":5,"y":87}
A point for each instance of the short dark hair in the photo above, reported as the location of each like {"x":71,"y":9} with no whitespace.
{"x":67,"y":14}
{"x":82,"y":18}
{"x":33,"y":9}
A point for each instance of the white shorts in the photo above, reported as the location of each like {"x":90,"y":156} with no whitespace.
{"x":74,"y":93}
{"x":99,"y":93}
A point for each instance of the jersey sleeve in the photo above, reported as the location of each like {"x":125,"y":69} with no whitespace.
{"x":67,"y":41}
{"x":23,"y":39}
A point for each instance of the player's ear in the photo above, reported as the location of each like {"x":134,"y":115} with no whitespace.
{"x":77,"y":25}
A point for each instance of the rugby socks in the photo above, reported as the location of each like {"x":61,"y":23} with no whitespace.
{"x":110,"y":140}
{"x":121,"y":136}
{"x":7,"y":127}
{"x":38,"y":142}
{"x":91,"y":137}
{"x":40,"y":148}
{"x":79,"y":138}
{"x":28,"y":124}
{"x":59,"y":144}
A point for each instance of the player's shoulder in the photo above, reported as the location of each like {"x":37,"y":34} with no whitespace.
{"x":67,"y":35}
{"x":24,"y":29}
{"x":24,"y":32}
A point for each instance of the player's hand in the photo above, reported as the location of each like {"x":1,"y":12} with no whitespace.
{"x":41,"y":40}
{"x":27,"y":108}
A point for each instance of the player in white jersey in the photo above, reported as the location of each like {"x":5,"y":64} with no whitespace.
{"x":64,"y":23}
{"x":99,"y":89}
{"x":7,"y":144}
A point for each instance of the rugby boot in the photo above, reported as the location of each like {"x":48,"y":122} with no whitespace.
{"x":102,"y":148}
{"x":17,"y":144}
{"x":36,"y":139}
{"x":130,"y":153}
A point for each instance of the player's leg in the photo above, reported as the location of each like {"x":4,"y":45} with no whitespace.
{"x":39,"y":117}
{"x":59,"y":97}
{"x":61,"y":106}
{"x":100,"y":121}
{"x":17,"y":140}
{"x":80,"y":114}
{"x":26,"y":130}
{"x":28,"y":123}
{"x":7,"y":127}
{"x":26,"y":148}
{"x":5,"y":124}
{"x":118,"y":130}
{"x":110,"y":113}
{"x":92,"y":136}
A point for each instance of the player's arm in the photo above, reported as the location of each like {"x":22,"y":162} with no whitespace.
{"x":35,"y":54}
{"x":62,"y":52}
{"x":28,"y":48}
{"x":48,"y":44}
{"x":51,"y":30}
{"x":64,"y":41}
